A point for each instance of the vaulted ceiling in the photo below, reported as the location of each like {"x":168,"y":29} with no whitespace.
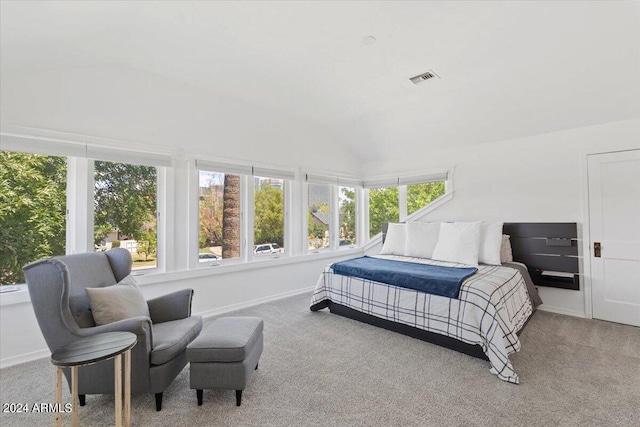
{"x":507,"y":69}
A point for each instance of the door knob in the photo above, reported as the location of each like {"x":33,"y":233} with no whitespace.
{"x":596,"y":249}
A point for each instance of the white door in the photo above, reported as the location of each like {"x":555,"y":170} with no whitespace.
{"x":614,"y":225}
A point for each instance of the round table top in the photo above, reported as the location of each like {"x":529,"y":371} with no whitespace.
{"x":93,"y":349}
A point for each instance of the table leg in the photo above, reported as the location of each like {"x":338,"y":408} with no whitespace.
{"x":75,"y":420}
{"x":127,"y":388}
{"x":59,"y":396}
{"x":118,"y":388}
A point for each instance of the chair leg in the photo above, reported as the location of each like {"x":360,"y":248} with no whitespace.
{"x":257,"y":366}
{"x":199,"y":395}
{"x":158,"y":402}
{"x":238,"y":397}
{"x":82,"y":398}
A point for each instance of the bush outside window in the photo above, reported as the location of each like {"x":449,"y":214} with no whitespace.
{"x":420,"y":195}
{"x":125,"y":206}
{"x":384,"y":203}
{"x":33,"y":190}
{"x":347,"y":215}
{"x":269,"y":218}
{"x":383,"y":207}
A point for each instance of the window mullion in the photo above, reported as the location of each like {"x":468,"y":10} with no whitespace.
{"x":79,"y":205}
{"x":304,"y":227}
{"x":291,"y":247}
{"x":363,"y":217}
{"x":163,"y":218}
{"x":334,"y":215}
{"x":249,"y":217}
{"x":402,"y":202}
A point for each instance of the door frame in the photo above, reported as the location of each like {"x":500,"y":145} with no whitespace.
{"x":585,"y":252}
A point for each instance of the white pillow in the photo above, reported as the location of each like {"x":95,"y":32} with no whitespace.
{"x":506,"y":253}
{"x":421,"y":239}
{"x":459,"y":242}
{"x":490,"y":243}
{"x":395,"y":240}
{"x":118,"y":302}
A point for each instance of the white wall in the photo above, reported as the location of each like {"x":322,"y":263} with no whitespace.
{"x":147,"y":109}
{"x":21,"y":339}
{"x":533,"y":179}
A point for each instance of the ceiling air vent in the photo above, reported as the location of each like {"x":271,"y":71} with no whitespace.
{"x":423,"y":77}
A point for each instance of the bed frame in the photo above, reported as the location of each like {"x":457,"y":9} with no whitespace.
{"x":543,"y":247}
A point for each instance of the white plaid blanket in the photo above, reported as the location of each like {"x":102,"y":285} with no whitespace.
{"x":493,"y":305}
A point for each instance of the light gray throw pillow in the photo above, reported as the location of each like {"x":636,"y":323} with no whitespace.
{"x":118,"y":302}
{"x":506,"y":254}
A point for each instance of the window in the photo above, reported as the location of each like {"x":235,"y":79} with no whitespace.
{"x":219,"y":216}
{"x":383,"y":207}
{"x":420,"y":195}
{"x":331,"y":211}
{"x":32,"y":211}
{"x":125,"y":206}
{"x":225,"y":192}
{"x":394,"y":199}
{"x":319,"y":216}
{"x":347,"y":215}
{"x":269,"y":214}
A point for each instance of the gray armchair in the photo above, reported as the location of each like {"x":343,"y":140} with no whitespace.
{"x":57,"y":289}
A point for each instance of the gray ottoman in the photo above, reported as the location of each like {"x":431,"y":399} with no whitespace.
{"x":225,"y":355}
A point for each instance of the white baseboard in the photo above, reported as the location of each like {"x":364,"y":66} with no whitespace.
{"x":23,"y":358}
{"x":28,"y":357}
{"x":564,"y":311}
{"x":246,"y":304}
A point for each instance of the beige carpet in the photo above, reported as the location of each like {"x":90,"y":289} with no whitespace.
{"x":321,"y":369}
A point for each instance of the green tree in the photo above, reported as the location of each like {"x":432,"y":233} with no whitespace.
{"x":124,"y":199}
{"x":32,"y":211}
{"x":149,"y":242}
{"x":383,"y":207}
{"x":269,"y":215}
{"x":348,"y":214}
{"x":316,"y":231}
{"x":211,"y":209}
{"x":420,"y":195}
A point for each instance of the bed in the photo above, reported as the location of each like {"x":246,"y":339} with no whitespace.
{"x":492,"y":308}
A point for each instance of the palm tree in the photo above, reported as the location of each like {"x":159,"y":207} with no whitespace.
{"x":231,"y":217}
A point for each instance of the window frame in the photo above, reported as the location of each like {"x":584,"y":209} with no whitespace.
{"x":335,"y":182}
{"x":160,"y":221}
{"x":177,"y":221}
{"x":332,"y":217}
{"x":247,"y":210}
{"x":81,"y":157}
{"x":194,"y":223}
{"x":402,"y":183}
{"x":286,"y":205}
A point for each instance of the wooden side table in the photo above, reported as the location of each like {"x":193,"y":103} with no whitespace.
{"x":90,"y":350}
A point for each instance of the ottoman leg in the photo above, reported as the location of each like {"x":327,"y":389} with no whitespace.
{"x":199,"y":395}
{"x":238,"y":397}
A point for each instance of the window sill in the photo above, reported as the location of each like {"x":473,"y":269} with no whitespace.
{"x":21,"y":296}
{"x":215,"y":269}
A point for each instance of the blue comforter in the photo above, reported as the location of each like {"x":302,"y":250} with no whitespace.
{"x":432,"y":279}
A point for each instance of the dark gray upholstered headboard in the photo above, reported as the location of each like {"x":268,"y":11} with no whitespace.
{"x":547,"y":248}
